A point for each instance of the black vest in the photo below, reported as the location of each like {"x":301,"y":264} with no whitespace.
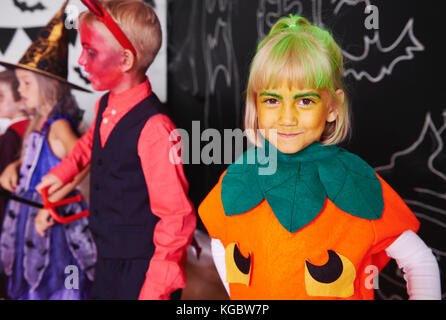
{"x":120,"y":216}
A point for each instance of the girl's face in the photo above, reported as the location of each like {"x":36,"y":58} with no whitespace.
{"x":8,"y":106}
{"x":295,"y":118}
{"x":28,"y":88}
{"x":100,"y":57}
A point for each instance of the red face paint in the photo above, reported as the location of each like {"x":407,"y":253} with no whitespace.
{"x":100,"y":57}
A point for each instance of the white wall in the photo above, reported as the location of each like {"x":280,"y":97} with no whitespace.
{"x":13,"y":17}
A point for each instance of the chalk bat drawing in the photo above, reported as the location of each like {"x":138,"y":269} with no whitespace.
{"x":402,"y":49}
{"x":418,"y":172}
{"x":24,"y":6}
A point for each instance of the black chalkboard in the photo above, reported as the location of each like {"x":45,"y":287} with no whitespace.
{"x":393,"y":75}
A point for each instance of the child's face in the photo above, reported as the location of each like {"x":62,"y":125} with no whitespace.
{"x":100,"y":57}
{"x":294,"y":118}
{"x":8,"y":107}
{"x":28,"y":88}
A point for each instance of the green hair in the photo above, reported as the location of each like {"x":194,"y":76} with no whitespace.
{"x":295,"y":38}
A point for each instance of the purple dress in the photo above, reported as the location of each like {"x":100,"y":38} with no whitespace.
{"x":59,"y":266}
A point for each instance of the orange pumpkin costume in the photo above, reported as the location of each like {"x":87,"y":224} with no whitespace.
{"x":329,"y":258}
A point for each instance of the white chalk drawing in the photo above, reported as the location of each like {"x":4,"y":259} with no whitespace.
{"x":219,"y":60}
{"x":270,"y":10}
{"x":375,"y":41}
{"x":428,"y":202}
{"x":209,"y":30}
{"x":428,"y":127}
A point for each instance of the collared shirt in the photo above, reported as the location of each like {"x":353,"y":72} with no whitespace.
{"x":166,"y":184}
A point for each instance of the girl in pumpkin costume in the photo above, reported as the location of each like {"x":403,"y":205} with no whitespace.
{"x":297,"y":217}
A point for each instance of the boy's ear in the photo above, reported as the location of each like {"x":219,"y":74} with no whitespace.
{"x":335,"y":104}
{"x":128,"y":60}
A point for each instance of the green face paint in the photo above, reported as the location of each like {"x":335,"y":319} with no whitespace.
{"x":306,"y":94}
{"x":271,"y":94}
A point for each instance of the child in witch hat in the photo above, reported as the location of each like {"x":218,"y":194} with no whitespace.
{"x":34,"y":260}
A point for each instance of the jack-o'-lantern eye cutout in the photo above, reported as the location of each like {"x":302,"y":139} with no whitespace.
{"x":333,"y":279}
{"x":238,"y":268}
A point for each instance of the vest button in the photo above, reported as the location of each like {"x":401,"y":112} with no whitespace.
{"x":96,"y":186}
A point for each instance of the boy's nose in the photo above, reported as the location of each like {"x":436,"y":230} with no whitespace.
{"x":81,"y":60}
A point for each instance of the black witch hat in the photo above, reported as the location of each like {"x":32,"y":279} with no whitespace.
{"x":48,"y":54}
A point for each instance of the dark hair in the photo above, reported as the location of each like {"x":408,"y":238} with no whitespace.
{"x":9,"y":77}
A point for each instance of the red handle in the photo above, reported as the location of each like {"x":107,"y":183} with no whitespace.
{"x":48,"y":205}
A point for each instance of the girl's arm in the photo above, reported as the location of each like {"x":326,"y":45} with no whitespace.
{"x":66,"y":189}
{"x":10,"y":176}
{"x":419,"y":265}
{"x":218,"y":255}
{"x":62,"y":139}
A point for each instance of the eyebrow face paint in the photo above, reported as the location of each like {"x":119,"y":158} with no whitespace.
{"x":271,"y":94}
{"x":306,"y":94}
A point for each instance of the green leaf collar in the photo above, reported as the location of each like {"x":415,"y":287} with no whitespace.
{"x":298,"y":188}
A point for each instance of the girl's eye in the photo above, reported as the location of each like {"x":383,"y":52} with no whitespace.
{"x":306,"y":102}
{"x":271,"y":101}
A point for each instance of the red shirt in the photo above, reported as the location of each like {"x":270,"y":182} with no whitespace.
{"x":166,"y":184}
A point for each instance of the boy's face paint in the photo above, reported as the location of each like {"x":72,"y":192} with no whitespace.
{"x":100,"y":57}
{"x":8,"y":107}
{"x":293,"y":118}
{"x":28,"y":88}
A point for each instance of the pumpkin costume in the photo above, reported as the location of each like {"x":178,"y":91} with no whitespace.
{"x":312,"y":230}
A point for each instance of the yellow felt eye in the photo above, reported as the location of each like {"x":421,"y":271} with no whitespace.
{"x":333,"y":279}
{"x":238,"y":268}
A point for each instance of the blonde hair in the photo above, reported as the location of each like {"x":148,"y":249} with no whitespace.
{"x":139,"y":23}
{"x":304,"y":55}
